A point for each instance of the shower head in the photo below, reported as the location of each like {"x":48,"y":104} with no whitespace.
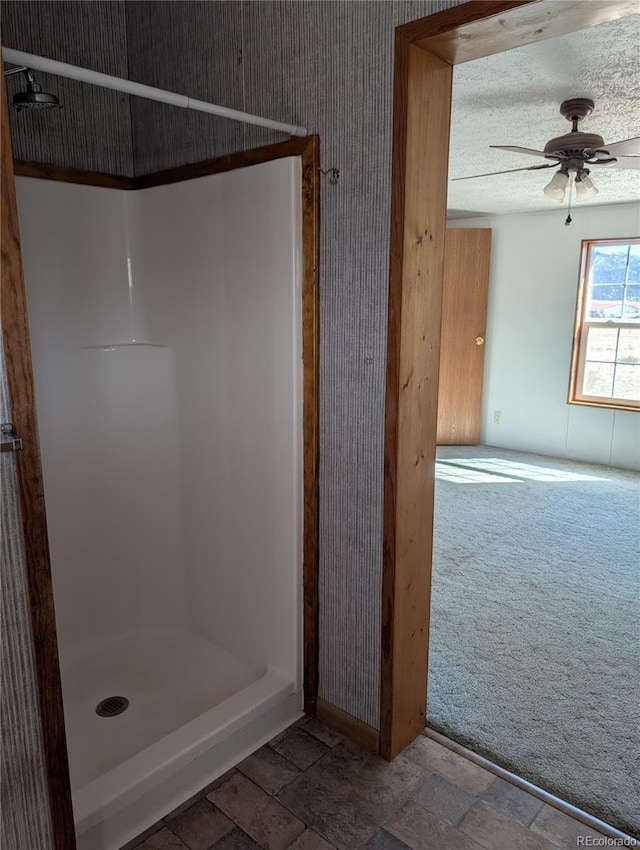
{"x":33,"y":97}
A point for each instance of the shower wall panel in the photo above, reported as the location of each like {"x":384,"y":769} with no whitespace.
{"x":107,"y":418}
{"x":220,"y":260}
{"x":166,"y":336}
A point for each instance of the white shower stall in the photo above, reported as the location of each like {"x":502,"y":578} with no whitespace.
{"x":166,"y":340}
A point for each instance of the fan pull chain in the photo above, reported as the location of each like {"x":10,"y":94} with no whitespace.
{"x":568,"y":219}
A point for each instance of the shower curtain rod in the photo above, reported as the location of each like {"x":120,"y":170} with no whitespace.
{"x":74,"y":72}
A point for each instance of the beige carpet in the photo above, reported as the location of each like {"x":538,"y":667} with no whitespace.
{"x":535,"y":636}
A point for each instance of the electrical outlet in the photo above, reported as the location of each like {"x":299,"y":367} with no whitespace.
{"x":497,"y":417}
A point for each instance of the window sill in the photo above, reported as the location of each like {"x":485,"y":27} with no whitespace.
{"x":607,"y":404}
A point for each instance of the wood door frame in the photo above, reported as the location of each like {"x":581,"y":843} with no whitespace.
{"x":425,"y":53}
{"x":20,"y":374}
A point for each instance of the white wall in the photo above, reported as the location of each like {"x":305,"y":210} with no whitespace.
{"x":166,"y":342}
{"x":532,"y":299}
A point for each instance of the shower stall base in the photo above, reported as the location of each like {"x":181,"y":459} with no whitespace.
{"x":194,"y":710}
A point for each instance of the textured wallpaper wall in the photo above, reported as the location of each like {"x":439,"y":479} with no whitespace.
{"x":24,"y":810}
{"x":329,"y":66}
{"x":93,"y":130}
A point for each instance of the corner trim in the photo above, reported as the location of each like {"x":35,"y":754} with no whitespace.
{"x":71,"y":175}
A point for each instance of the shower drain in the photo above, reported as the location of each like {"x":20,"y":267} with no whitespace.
{"x":111,"y":706}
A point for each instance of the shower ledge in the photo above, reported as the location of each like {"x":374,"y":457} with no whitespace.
{"x":111,"y":346}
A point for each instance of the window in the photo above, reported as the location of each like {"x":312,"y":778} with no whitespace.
{"x":605,"y":367}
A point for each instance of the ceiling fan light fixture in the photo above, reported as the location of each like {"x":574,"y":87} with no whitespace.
{"x":585,"y":189}
{"x":557,"y":186}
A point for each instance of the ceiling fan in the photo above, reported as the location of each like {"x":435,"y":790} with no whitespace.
{"x":574,"y":152}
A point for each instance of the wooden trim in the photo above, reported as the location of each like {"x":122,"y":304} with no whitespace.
{"x":425,"y":52}
{"x":415,"y":299}
{"x":303,"y":147}
{"x":241,"y":159}
{"x":575,"y":344}
{"x":71,"y":175}
{"x":473,"y":30}
{"x":311,"y":412}
{"x":352,"y":728}
{"x":451,"y":23}
{"x":308,"y":149}
{"x":608,"y":404}
{"x":36,"y":547}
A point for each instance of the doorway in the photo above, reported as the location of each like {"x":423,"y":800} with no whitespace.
{"x":426,"y":50}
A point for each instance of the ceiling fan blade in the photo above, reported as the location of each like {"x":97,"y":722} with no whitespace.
{"x":516,"y":149}
{"x":620,"y":162}
{"x":508,"y":171}
{"x":628,"y":147}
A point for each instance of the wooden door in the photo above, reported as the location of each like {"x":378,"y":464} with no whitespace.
{"x":49,"y":748}
{"x":462,"y":343}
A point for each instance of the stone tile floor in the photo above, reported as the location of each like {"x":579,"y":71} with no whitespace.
{"x":309,"y":789}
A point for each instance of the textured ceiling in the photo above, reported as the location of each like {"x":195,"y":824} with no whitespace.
{"x":513,"y":98}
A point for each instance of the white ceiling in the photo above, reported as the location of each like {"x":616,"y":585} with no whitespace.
{"x":513,"y":98}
